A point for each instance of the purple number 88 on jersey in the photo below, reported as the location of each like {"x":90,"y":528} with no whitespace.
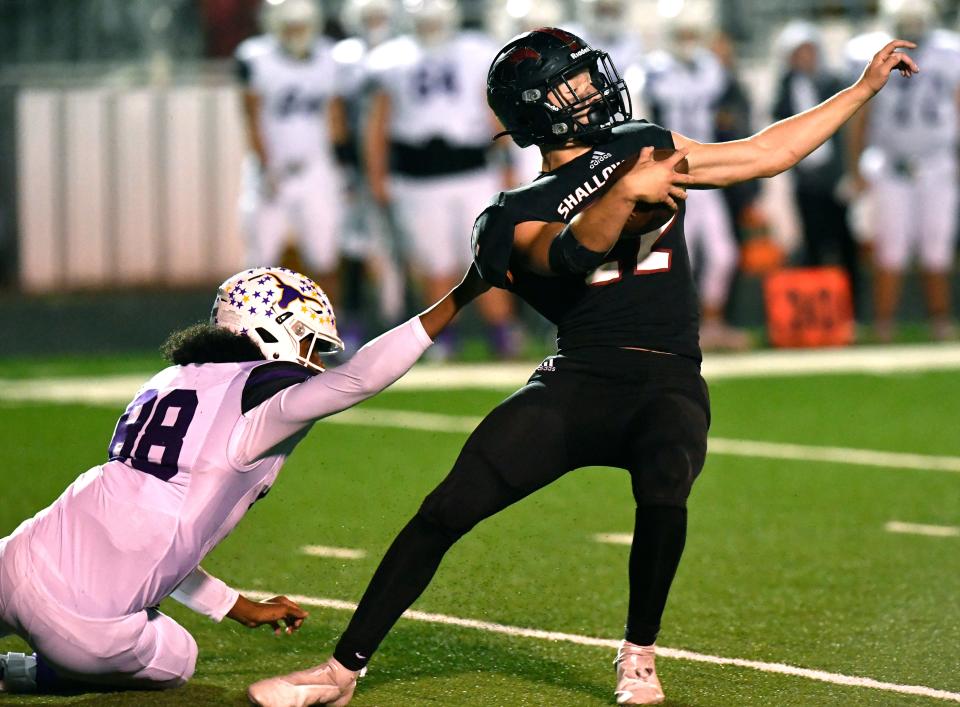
{"x":149,"y":435}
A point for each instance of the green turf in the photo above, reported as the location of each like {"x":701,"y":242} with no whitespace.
{"x":785,"y":561}
{"x":59,"y":366}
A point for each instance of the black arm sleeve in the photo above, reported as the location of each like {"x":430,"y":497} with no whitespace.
{"x":569,"y":257}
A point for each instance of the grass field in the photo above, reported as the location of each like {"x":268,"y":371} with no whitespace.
{"x":787,"y":561}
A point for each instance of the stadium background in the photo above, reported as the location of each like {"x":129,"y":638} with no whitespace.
{"x":122,"y":144}
{"x":823,"y":532}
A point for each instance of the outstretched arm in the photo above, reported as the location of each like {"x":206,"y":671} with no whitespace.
{"x":374,"y":367}
{"x":783,"y":144}
{"x":437,"y":317}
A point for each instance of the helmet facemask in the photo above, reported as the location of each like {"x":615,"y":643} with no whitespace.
{"x":604,"y":102}
{"x":537,"y":89}
{"x":310,"y":342}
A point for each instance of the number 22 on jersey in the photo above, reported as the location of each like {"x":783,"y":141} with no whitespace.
{"x":647,"y":262}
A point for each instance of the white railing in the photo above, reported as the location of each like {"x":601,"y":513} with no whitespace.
{"x":123,"y":187}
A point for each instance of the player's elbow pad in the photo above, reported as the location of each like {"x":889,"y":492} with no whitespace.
{"x":569,"y":257}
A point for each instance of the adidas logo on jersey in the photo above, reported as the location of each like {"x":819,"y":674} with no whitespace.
{"x":597,"y":157}
{"x":548,"y":364}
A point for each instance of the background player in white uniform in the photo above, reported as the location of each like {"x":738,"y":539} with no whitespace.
{"x":294,"y":117}
{"x":427,"y":144}
{"x":200,"y":443}
{"x":905,"y":148}
{"x":368,"y":249}
{"x":682,"y":89}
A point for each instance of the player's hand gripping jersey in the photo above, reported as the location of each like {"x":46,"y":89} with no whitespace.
{"x":197,"y":446}
{"x":643,"y":296}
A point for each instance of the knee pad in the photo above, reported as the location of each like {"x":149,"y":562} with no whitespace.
{"x":471,"y":492}
{"x":670,"y":447}
{"x":441,"y":515}
{"x":666,"y":478}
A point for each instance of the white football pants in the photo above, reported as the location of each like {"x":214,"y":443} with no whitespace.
{"x":143,"y":650}
{"x":305,"y":208}
{"x":437,"y":215}
{"x":917,"y":213}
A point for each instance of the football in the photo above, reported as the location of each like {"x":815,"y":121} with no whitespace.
{"x":648,"y":217}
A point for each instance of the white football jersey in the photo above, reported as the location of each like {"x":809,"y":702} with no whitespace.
{"x":436,"y":91}
{"x":197,"y":447}
{"x":295,"y":95}
{"x":684,"y":96}
{"x":917,"y":116}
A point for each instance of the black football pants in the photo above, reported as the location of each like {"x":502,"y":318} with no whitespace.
{"x":644,"y":412}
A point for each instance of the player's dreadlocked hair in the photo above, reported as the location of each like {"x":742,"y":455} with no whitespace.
{"x":206,"y":343}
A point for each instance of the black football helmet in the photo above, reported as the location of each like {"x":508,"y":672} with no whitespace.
{"x":532,"y":67}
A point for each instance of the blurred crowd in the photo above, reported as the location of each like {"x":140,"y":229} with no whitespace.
{"x":394,"y":118}
{"x":370,"y":146}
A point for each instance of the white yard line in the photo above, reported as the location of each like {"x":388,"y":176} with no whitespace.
{"x":836,"y":455}
{"x":405,"y":420}
{"x":108,"y":390}
{"x":894,"y":526}
{"x":435,"y":422}
{"x":614,"y":538}
{"x":678,"y":654}
{"x":936,"y":531}
{"x":119,"y":389}
{"x":341,"y":553}
{"x":860,"y":359}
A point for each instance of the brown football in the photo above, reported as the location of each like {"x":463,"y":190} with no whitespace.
{"x":648,"y":217}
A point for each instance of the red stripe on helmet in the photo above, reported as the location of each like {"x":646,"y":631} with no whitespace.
{"x":571,"y":40}
{"x":521,"y":53}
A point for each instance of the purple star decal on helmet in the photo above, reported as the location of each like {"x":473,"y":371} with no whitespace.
{"x":289,"y":294}
{"x":253,"y":310}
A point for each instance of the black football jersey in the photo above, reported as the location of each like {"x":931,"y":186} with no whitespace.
{"x":642,"y":296}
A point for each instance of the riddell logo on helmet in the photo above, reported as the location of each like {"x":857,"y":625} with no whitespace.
{"x":577,"y":55}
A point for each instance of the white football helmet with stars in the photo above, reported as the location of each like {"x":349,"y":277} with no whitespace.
{"x":278,"y":309}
